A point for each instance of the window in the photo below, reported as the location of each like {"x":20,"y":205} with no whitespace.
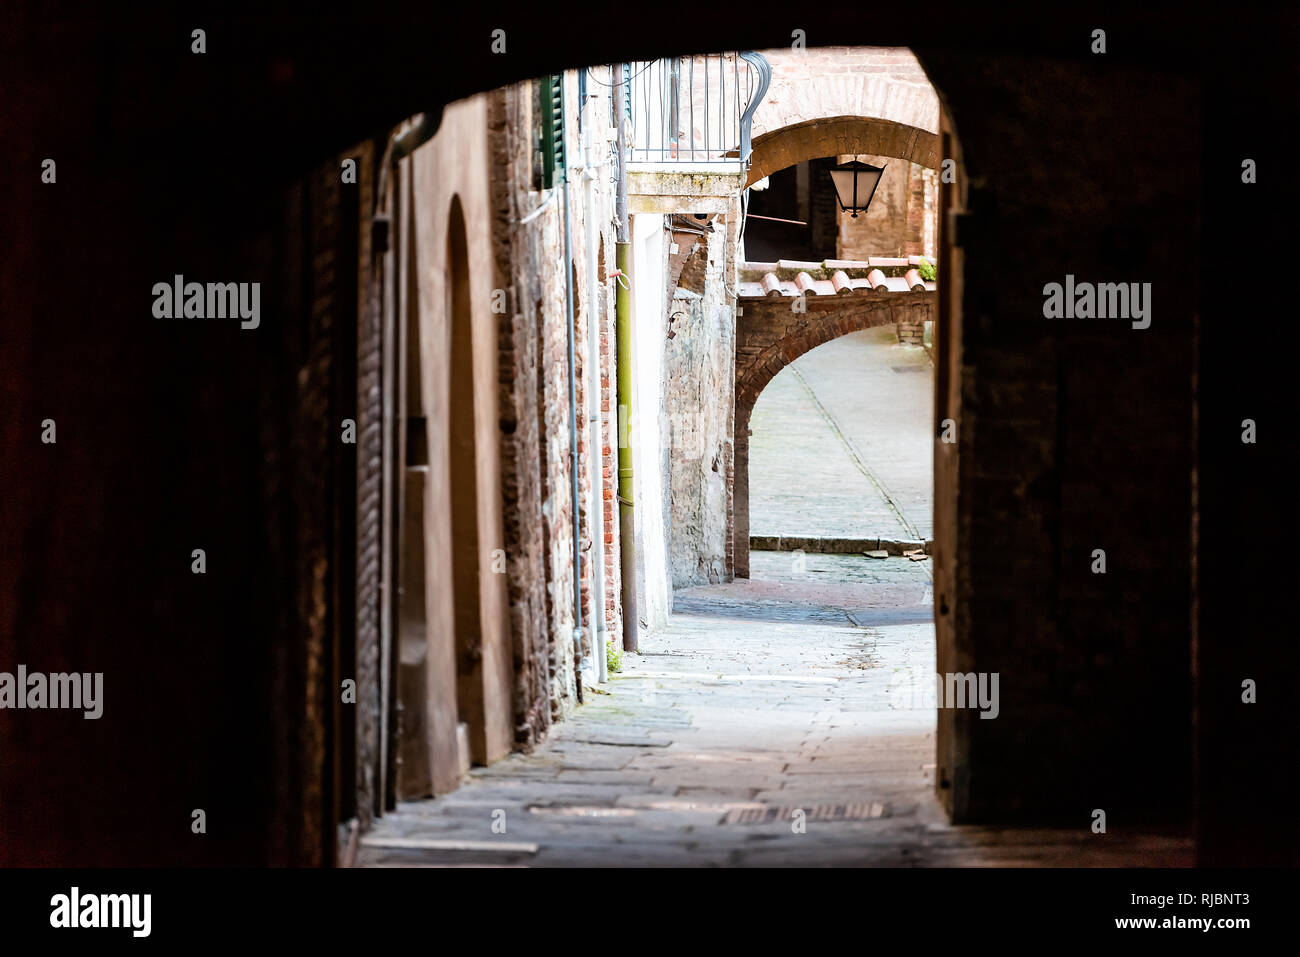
{"x":550,"y":107}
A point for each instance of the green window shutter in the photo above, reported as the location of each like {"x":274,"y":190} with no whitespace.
{"x":627,"y":90}
{"x":552,"y":129}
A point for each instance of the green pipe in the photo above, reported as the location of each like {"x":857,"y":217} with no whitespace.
{"x":623,"y":362}
{"x":626,"y":522}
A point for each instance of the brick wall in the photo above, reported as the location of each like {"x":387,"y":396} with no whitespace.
{"x":833,"y":81}
{"x":369,"y":482}
{"x":534,"y":395}
{"x":910,"y":323}
{"x":510,"y":126}
{"x":173,"y":436}
{"x":830,"y":101}
{"x":594,"y":316}
{"x":1074,"y":435}
{"x":609,"y":453}
{"x":895,"y":223}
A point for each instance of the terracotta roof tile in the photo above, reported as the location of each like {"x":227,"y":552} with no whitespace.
{"x":833,"y":277}
{"x":796,"y":265}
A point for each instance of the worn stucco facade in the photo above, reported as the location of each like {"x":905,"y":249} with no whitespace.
{"x":699,"y":404}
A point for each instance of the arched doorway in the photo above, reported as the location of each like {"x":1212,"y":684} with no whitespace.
{"x":840,"y":451}
{"x":463,"y":484}
{"x":453,"y":670}
{"x":443,"y":725}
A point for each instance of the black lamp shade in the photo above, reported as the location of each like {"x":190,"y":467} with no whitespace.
{"x":855,"y":183}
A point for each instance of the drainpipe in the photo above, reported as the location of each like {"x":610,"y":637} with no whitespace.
{"x":579,"y":664}
{"x":596,"y":619}
{"x":623,"y":346}
{"x":399,"y":147}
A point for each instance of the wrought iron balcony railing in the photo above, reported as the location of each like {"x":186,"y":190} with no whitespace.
{"x":695,"y":109}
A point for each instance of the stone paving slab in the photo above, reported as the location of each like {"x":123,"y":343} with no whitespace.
{"x":879,"y":397}
{"x":708,"y":724}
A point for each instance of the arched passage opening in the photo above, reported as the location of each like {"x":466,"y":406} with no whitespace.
{"x":839,"y":451}
{"x":838,"y":135}
{"x":801,"y":630}
{"x":776,"y":329}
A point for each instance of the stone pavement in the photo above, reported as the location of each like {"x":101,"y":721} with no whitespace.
{"x":757,"y":729}
{"x":842,"y":443}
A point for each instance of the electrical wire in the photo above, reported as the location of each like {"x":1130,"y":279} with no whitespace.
{"x":537,"y":212}
{"x":591,"y":78}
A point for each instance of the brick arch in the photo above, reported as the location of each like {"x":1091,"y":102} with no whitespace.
{"x":838,"y":135}
{"x":798,"y":334}
{"x":824,"y":101}
{"x":888,"y":82}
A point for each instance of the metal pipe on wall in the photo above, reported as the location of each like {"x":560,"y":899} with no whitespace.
{"x":567,"y":214}
{"x":623,"y":358}
{"x":596,"y":616}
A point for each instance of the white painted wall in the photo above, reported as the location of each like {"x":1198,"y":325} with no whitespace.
{"x":649,"y":417}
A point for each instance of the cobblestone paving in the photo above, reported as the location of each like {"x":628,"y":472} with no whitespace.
{"x":861,"y":395}
{"x":760,"y":699}
{"x":831,"y":589}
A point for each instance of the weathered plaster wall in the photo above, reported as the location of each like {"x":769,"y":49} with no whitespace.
{"x":649,"y":421}
{"x":700,"y":376}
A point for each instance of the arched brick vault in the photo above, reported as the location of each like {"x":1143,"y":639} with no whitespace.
{"x":825,"y":101}
{"x":770,"y":334}
{"x":834,"y":136}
